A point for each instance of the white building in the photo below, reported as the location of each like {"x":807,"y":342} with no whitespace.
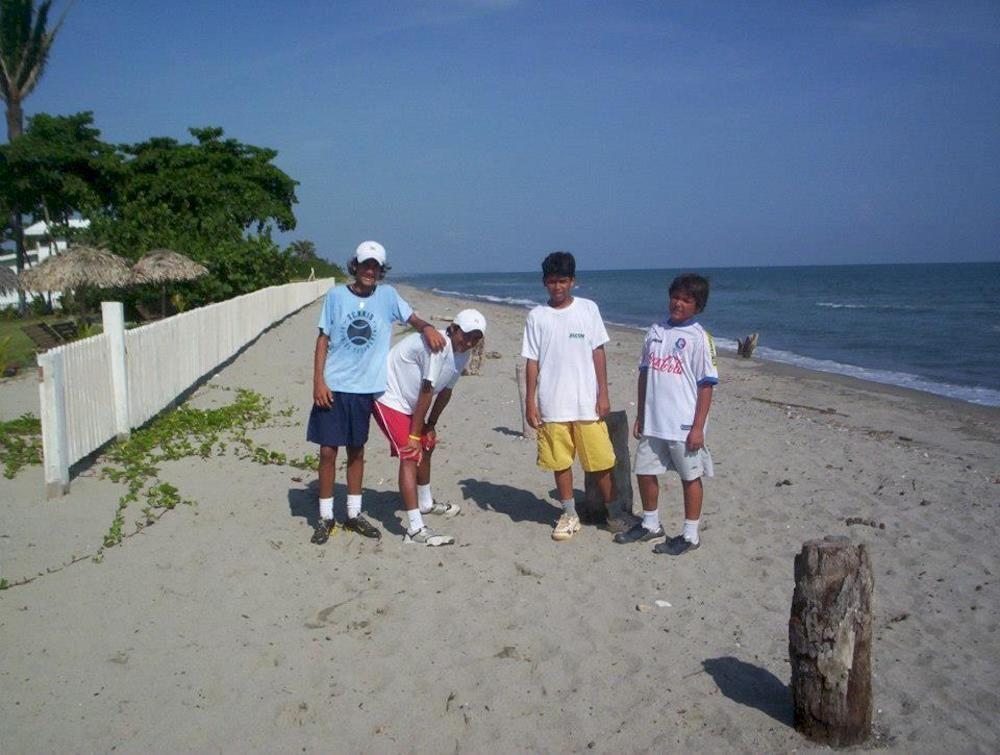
{"x":39,"y":244}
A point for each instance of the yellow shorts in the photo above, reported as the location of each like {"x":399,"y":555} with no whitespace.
{"x":559,"y":442}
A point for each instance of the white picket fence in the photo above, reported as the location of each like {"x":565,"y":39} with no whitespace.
{"x":99,"y":388}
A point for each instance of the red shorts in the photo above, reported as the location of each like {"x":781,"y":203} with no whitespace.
{"x":396,"y":426}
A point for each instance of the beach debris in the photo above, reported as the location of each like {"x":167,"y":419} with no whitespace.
{"x":510,"y":651}
{"x":475,"y":363}
{"x":745,"y":346}
{"x":899,"y":617}
{"x":782,"y":482}
{"x":787,"y":405}
{"x":662,"y":604}
{"x":524,"y":571}
{"x":830,"y":642}
{"x":492,"y":355}
{"x":852,"y":520}
{"x":643,"y":607}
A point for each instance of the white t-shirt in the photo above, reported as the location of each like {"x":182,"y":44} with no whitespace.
{"x":677,"y":359}
{"x":562,"y":341}
{"x":411,"y":362}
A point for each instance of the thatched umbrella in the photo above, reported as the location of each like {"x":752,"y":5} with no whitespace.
{"x":8,"y":280}
{"x":78,"y":267}
{"x":162,"y":266}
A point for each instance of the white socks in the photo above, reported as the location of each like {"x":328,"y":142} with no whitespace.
{"x":416,"y":522}
{"x":569,"y":507}
{"x":691,"y":530}
{"x":424,"y":498}
{"x":651,"y":520}
{"x":326,"y":508}
{"x":353,"y":506}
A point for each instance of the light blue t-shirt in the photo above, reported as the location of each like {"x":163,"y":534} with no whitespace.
{"x":360,"y":332}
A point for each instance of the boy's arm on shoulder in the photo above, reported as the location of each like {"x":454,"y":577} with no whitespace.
{"x":434,"y":340}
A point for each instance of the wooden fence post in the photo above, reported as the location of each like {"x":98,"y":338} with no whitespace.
{"x":113,"y":315}
{"x":55,"y":443}
{"x":593,"y":509}
{"x":830,"y":642}
{"x":526,"y":430}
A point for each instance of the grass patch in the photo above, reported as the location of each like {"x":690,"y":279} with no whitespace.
{"x":184,"y":433}
{"x":20,"y":444}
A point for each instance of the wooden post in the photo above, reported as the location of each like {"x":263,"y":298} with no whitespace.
{"x":112,"y":313}
{"x":475,"y":359}
{"x":52,"y":405}
{"x":526,"y":430}
{"x":830,"y":642}
{"x":593,"y":509}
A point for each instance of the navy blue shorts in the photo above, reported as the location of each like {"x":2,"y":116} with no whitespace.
{"x":345,"y":423}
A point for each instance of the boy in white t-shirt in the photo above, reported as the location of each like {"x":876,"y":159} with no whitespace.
{"x":677,"y":373}
{"x":567,"y":387}
{"x":416,"y":377}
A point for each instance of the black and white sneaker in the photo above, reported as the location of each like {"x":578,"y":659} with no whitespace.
{"x":676,"y":546}
{"x":322,"y":530}
{"x":363,"y":527}
{"x":639,"y":534}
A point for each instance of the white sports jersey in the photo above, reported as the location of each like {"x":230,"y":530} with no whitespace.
{"x":411,"y":362}
{"x":677,"y":359}
{"x":562,"y":341}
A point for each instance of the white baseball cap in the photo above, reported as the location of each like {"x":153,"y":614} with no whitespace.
{"x":370,"y":250}
{"x":469,"y":320}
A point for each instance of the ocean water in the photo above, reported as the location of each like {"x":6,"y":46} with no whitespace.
{"x":933,"y":328}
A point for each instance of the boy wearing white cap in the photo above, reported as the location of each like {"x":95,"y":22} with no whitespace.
{"x":349,"y":371}
{"x":418,"y":389}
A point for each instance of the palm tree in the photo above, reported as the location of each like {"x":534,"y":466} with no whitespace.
{"x":24,"y":50}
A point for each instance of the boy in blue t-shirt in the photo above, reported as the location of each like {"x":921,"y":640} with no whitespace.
{"x":349,"y":371}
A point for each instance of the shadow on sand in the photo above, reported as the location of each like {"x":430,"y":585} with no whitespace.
{"x":752,"y":686}
{"x":378,"y":505}
{"x":520,"y":505}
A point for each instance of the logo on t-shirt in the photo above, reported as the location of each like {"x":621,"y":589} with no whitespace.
{"x":680,"y":343}
{"x":577,"y":335}
{"x":359,"y":330}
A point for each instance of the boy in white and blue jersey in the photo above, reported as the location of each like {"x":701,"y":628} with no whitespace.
{"x":349,"y":371}
{"x":677,"y":374}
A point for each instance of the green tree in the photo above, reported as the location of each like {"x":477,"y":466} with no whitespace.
{"x":174,"y":194}
{"x":303,"y":261}
{"x":25,"y":43}
{"x":58,"y":167}
{"x":217,"y":200}
{"x":301,"y":250}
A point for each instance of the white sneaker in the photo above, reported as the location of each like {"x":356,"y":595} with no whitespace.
{"x":567,"y":526}
{"x":427,"y":536}
{"x":447,"y":510}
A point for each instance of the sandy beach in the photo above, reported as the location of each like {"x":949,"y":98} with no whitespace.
{"x":222,"y":629}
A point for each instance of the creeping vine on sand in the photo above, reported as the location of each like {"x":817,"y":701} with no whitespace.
{"x":20,"y":444}
{"x":183,"y":433}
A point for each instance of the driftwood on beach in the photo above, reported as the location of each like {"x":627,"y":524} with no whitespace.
{"x":830,"y":642}
{"x":745,"y":346}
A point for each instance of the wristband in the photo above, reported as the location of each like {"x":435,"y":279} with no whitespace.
{"x":414,"y":437}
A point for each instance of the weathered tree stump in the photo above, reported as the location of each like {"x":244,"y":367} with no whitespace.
{"x":593,"y":509}
{"x":475,"y":362}
{"x":830,"y":642}
{"x":526,"y":430}
{"x":745,"y":346}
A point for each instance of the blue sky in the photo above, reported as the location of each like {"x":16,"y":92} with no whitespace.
{"x":482,"y":134}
